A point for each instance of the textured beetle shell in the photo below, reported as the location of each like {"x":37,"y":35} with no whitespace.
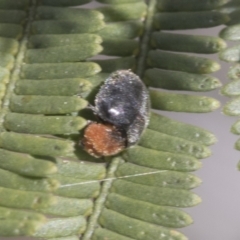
{"x":123,"y":101}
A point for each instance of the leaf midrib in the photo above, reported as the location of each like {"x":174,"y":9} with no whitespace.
{"x":14,"y":73}
{"x":144,"y":47}
{"x":115,"y":162}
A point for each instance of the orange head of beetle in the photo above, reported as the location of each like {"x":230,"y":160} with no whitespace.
{"x":103,"y":140}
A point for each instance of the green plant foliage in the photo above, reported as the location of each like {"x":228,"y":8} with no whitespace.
{"x":50,"y":72}
{"x":231,"y":54}
{"x":188,"y":5}
{"x":186,"y":43}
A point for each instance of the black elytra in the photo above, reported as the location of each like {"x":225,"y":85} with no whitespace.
{"x":123,"y":101}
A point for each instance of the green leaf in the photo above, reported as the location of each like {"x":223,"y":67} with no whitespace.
{"x":8,"y":45}
{"x":14,"y":181}
{"x":60,"y":70}
{"x":234,"y":72}
{"x":230,"y":54}
{"x":6,"y":60}
{"x":118,"y":1}
{"x":19,"y":228}
{"x":161,"y":160}
{"x":188,"y":5}
{"x":54,"y":87}
{"x":166,"y":216}
{"x":156,"y":195}
{"x":62,"y":227}
{"x":123,"y":30}
{"x":123,"y":12}
{"x":10,"y":30}
{"x":168,"y":179}
{"x":12,"y":16}
{"x":188,"y":20}
{"x":52,"y":40}
{"x":181,"y":62}
{"x":66,"y":238}
{"x":138,"y":229}
{"x":39,"y":104}
{"x":72,"y":53}
{"x":35,"y":145}
{"x":20,"y":215}
{"x":25,"y":164}
{"x":182,"y":102}
{"x":171,"y":127}
{"x":25,"y":199}
{"x":232,"y":107}
{"x":186,"y":43}
{"x":231,"y":89}
{"x":11,"y":4}
{"x":163,"y":142}
{"x":40,"y":124}
{"x":71,"y":14}
{"x":230,"y":33}
{"x":236,"y":128}
{"x":64,"y":3}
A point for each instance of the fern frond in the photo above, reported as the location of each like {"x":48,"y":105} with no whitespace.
{"x":48,"y":58}
{"x":231,"y":54}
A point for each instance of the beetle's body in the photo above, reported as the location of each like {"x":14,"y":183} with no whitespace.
{"x":122,"y":102}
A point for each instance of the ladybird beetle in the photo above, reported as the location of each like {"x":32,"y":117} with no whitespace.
{"x":122,"y":106}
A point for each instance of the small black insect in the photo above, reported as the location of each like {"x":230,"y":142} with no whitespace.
{"x":122,"y":105}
